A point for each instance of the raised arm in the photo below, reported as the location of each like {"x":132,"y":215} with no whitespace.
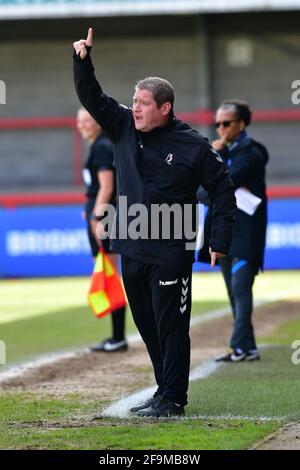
{"x":105,"y":110}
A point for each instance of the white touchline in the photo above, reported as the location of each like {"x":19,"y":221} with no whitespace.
{"x":20,"y":369}
{"x":8,"y":372}
{"x":120,"y":409}
{"x":233,"y":418}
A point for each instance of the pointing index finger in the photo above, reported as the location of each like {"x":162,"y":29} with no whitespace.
{"x":89,"y":39}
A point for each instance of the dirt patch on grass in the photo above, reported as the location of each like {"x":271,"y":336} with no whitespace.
{"x":285,"y":438}
{"x":105,"y":376}
{"x":109,"y":376}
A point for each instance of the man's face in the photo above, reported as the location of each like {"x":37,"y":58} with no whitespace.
{"x":146,"y":114}
{"x":229,"y":128}
{"x":87,"y":126}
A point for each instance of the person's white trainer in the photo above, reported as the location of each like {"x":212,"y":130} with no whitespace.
{"x":110,"y":345}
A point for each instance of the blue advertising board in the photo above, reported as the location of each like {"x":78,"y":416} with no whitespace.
{"x":52,"y":240}
{"x":43,"y":241}
{"x":283,"y":236}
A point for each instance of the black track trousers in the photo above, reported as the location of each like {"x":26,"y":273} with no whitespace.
{"x":160,"y":301}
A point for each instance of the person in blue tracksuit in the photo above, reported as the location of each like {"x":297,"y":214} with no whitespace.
{"x":246,"y":160}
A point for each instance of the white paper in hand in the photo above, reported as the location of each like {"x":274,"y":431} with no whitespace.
{"x":246,"y":201}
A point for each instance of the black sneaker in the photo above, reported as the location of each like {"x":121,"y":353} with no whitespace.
{"x":252,"y":355}
{"x":150,"y":402}
{"x":110,"y":345}
{"x":163,"y":408}
{"x":232,"y":356}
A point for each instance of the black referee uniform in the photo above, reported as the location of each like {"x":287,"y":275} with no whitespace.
{"x":100,"y":158}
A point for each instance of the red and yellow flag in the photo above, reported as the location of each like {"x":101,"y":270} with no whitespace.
{"x":106,"y":292}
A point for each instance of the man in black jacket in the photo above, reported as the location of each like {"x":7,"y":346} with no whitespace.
{"x":159,"y":161}
{"x":246,"y":160}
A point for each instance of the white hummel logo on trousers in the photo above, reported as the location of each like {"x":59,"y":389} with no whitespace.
{"x":184,"y":292}
{"x":168,"y":283}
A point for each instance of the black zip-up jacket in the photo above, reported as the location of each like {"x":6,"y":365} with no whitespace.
{"x":146,"y":175}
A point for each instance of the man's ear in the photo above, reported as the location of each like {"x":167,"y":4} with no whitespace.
{"x":166,"y":108}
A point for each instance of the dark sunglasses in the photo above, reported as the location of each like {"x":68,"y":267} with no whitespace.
{"x":224,"y":123}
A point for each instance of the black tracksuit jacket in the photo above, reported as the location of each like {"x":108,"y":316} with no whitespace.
{"x":144,"y":176}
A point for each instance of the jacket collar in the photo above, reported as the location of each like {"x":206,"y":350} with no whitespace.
{"x":157,"y":131}
{"x":233,"y":145}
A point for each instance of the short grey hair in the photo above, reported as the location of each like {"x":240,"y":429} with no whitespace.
{"x":161,"y":89}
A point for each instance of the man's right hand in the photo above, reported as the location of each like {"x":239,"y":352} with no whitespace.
{"x":80,"y":46}
{"x":214,"y":255}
